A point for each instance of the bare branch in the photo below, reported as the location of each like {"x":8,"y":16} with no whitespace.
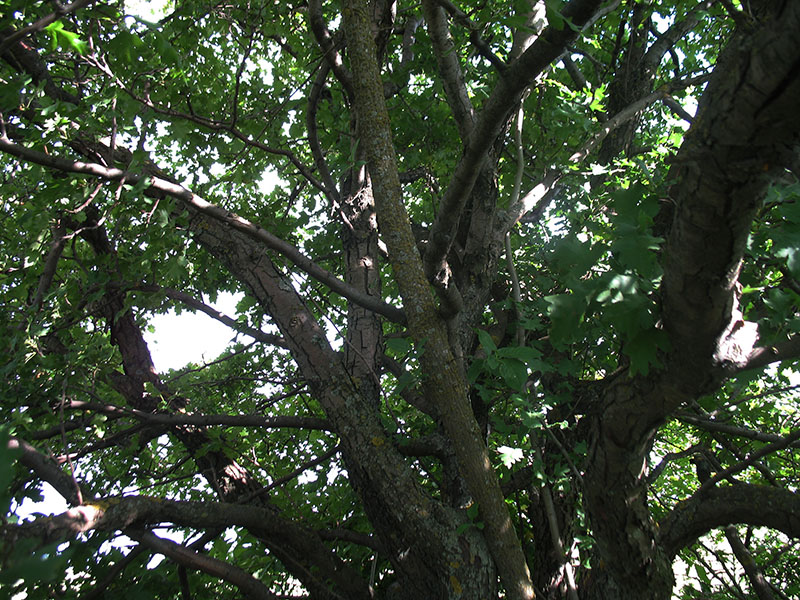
{"x":313,"y":136}
{"x":668,"y":39}
{"x":786,"y":442}
{"x":121,"y":513}
{"x":676,"y":107}
{"x":630,"y":111}
{"x":474,"y":34}
{"x":191,"y":301}
{"x":711,"y":425}
{"x":329,"y":46}
{"x":755,"y":574}
{"x":50,"y":266}
{"x":449,"y":68}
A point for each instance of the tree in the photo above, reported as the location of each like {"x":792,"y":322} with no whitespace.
{"x":513,"y":321}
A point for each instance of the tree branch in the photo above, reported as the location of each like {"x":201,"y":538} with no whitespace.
{"x":755,"y":575}
{"x":443,"y":378}
{"x":667,"y":40}
{"x":313,"y":136}
{"x":329,"y":47}
{"x":630,"y":111}
{"x":157,"y":185}
{"x":293,"y":422}
{"x":46,"y":469}
{"x":120,"y":513}
{"x":247,"y":584}
{"x":744,"y":132}
{"x":474,"y":34}
{"x":746,"y":503}
{"x":786,"y":442}
{"x":493,"y":116}
{"x":192,"y":302}
{"x":50,"y":265}
{"x":765,"y":355}
{"x":449,"y":68}
{"x":711,"y":425}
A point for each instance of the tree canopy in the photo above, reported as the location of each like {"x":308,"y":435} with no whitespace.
{"x":517,"y":285}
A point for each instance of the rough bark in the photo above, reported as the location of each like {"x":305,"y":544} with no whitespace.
{"x":443,"y":378}
{"x":419,"y":534}
{"x":745,"y":130}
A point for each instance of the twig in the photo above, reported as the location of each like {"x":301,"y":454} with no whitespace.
{"x":78,"y":493}
{"x":742,"y":465}
{"x":555,"y":534}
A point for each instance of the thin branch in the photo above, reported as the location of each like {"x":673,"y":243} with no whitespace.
{"x":676,"y":107}
{"x":313,"y":137}
{"x":480,"y":44}
{"x":329,"y":46}
{"x":668,"y":39}
{"x":666,"y":459}
{"x":213,"y":125}
{"x":98,"y":591}
{"x":50,"y":265}
{"x":785,"y":442}
{"x":156,"y":185}
{"x":577,"y":76}
{"x":516,"y":293}
{"x":247,"y":584}
{"x":755,"y":575}
{"x":630,"y":111}
{"x":743,"y":432}
{"x":293,"y":422}
{"x":192,"y":302}
{"x":534,"y":203}
{"x":540,"y":196}
{"x":353,"y":537}
{"x":293,"y":475}
{"x":555,"y":534}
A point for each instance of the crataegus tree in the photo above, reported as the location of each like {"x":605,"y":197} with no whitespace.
{"x":517,"y":298}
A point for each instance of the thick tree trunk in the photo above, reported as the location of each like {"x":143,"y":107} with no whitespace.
{"x":630,"y":564}
{"x":745,"y":130}
{"x":432,"y":552}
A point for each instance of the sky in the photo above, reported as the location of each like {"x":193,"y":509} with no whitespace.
{"x":190,"y":337}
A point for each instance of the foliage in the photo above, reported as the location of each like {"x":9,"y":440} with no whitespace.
{"x":153,"y":164}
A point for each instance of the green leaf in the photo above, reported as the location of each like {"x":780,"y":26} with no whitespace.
{"x":399,"y":346}
{"x":514,"y":373}
{"x":643,"y":349}
{"x":65,"y":38}
{"x":636,"y":251}
{"x":486,"y":341}
{"x":566,"y":314}
{"x":554,"y":17}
